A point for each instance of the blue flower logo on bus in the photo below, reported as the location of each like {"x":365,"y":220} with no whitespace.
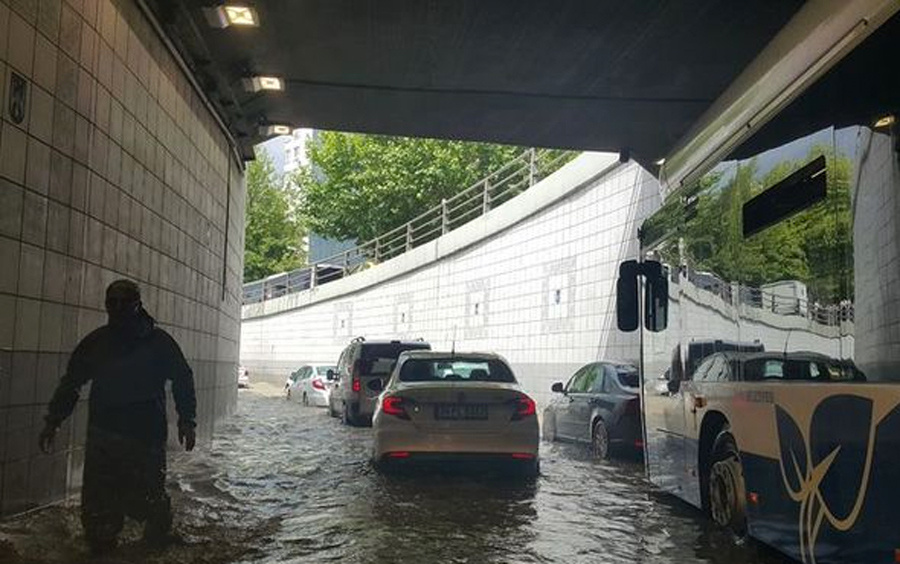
{"x":827,"y":469}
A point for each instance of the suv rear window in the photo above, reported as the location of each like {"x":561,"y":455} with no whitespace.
{"x":455,"y":369}
{"x":379,"y":359}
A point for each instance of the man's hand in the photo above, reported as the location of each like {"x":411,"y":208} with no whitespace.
{"x":45,"y":439}
{"x":187,"y":437}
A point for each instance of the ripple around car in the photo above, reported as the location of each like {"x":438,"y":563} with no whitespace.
{"x":454,"y":407}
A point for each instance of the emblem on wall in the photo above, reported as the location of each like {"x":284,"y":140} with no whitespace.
{"x":18,"y":96}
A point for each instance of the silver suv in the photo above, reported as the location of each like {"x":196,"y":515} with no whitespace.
{"x":362,"y":371}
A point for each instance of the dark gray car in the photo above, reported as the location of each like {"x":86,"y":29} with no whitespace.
{"x":362,"y":370}
{"x":600,"y":406}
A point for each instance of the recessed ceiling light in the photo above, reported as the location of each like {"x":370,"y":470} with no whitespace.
{"x":884,"y":122}
{"x":274,"y":129}
{"x":228,"y":15}
{"x":241,"y":15}
{"x":257,"y":83}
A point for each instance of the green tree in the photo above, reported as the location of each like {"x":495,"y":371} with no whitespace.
{"x":359,"y":186}
{"x":274,"y":231}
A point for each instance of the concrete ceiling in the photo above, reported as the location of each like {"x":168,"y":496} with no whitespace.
{"x":582,"y":74}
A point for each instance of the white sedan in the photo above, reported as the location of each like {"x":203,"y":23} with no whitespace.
{"x":309,"y":385}
{"x":454,"y":407}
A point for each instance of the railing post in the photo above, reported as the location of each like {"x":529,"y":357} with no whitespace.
{"x":486,"y":197}
{"x":377,"y":250}
{"x":445,"y":219}
{"x":409,"y":241}
{"x":312,"y":275}
{"x":532,"y":168}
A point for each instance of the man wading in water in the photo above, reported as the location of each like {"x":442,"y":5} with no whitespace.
{"x":127,"y":361}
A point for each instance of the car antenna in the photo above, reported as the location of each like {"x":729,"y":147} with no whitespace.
{"x":453,"y":343}
{"x":786,"y":339}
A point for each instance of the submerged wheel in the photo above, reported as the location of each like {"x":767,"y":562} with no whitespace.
{"x":549,"y":428}
{"x":600,"y":440}
{"x":726,"y":489}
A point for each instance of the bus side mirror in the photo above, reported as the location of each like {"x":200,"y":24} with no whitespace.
{"x":627,"y":296}
{"x":656,"y":297}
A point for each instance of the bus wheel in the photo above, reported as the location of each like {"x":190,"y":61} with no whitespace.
{"x":600,"y":440}
{"x":727,"y":493}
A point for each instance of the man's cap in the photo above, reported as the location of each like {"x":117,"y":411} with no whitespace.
{"x":123,"y":289}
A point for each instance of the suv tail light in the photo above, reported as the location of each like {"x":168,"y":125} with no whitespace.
{"x":394,"y":405}
{"x":317,"y":384}
{"x":525,"y":407}
{"x":355,"y":384}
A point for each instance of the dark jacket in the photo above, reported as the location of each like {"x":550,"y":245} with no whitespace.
{"x":128,"y":372}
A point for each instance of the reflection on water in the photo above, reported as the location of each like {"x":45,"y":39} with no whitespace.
{"x":283,"y":483}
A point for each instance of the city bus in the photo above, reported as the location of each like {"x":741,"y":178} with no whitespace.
{"x":767,"y":296}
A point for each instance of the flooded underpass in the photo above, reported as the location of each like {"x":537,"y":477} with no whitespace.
{"x":285,"y":483}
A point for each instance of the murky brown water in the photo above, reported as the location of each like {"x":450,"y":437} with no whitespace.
{"x":283,"y":483}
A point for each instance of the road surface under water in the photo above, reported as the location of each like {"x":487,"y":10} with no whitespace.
{"x":285,"y":483}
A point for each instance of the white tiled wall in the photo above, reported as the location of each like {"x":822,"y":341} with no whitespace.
{"x":116,"y":171}
{"x":540,"y":292}
{"x":876,"y":249}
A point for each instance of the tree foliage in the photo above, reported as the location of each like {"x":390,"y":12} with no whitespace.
{"x":274,"y":232}
{"x":360,"y":186}
{"x":814,"y":246}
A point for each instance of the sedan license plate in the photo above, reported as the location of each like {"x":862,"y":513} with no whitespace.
{"x":453,"y":411}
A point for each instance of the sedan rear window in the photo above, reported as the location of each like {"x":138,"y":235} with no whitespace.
{"x":450,"y":369}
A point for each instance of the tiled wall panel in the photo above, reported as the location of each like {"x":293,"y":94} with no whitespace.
{"x":115,"y":169}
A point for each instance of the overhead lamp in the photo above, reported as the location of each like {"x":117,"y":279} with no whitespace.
{"x":232,"y":15}
{"x":274,"y":129}
{"x":886,"y":121}
{"x":257,"y":83}
{"x":660,"y":162}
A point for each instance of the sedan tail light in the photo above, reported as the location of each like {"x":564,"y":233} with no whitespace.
{"x":525,"y":407}
{"x":318,"y":384}
{"x":394,"y":405}
{"x":356,"y":386}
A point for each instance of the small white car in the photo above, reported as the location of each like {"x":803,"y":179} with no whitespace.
{"x":309,"y":385}
{"x":243,"y":380}
{"x":454,"y":407}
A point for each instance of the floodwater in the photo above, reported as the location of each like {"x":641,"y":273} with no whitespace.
{"x":285,"y":483}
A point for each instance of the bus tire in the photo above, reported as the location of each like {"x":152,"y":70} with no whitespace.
{"x":727,"y":493}
{"x":600,"y":440}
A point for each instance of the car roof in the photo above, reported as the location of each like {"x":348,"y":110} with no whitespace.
{"x":393,"y":342}
{"x":452,"y":354}
{"x":805,"y":355}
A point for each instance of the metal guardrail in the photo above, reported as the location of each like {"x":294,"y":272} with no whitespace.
{"x":505,"y":183}
{"x":831,"y":315}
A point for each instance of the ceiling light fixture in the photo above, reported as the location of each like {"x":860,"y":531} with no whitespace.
{"x":660,"y":162}
{"x":257,"y":83}
{"x":274,"y":129}
{"x":241,"y":15}
{"x":232,"y":15}
{"x":886,"y":121}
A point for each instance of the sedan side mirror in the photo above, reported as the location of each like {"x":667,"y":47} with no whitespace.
{"x":557,"y":387}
